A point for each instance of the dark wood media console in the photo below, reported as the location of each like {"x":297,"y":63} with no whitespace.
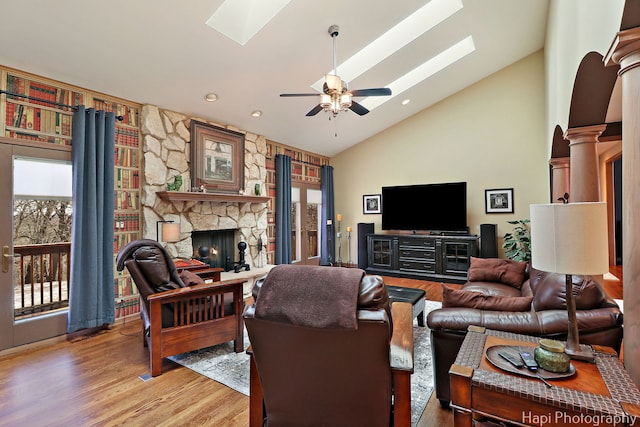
{"x":420,"y":256}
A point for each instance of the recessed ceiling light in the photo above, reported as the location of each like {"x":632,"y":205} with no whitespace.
{"x":256,"y":113}
{"x":406,"y":101}
{"x":211,"y":97}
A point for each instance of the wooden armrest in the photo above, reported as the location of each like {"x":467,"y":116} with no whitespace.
{"x":199,"y":290}
{"x":401,"y":352}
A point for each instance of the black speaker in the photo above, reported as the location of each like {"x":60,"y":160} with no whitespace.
{"x":488,"y":241}
{"x":364,"y":228}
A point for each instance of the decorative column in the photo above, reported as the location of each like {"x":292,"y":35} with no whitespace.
{"x":560,"y":171}
{"x":585,"y":184}
{"x":625,"y":50}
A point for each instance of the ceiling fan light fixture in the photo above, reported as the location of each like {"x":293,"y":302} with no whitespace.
{"x":325,"y":101}
{"x":334,"y":83}
{"x":345,"y":101}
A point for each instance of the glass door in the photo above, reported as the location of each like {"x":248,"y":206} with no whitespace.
{"x":306,"y":207}
{"x":36,"y":208}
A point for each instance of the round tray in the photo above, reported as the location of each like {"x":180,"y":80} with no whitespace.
{"x":497,"y":361}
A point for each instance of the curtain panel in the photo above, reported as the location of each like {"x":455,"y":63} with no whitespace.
{"x":284,"y":230}
{"x":327,"y":243}
{"x":91,"y":292}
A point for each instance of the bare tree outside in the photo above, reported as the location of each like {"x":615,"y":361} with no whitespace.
{"x":40,"y":273}
{"x":41,"y":221}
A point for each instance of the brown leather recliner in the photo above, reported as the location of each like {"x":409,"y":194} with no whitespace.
{"x":177,"y":318}
{"x":322,"y":352}
{"x":599,"y":317}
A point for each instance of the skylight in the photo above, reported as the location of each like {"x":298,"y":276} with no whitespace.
{"x":424,"y":71}
{"x":240,"y":20}
{"x":403,"y":33}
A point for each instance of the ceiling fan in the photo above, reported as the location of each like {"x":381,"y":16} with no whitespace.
{"x":336,"y":95}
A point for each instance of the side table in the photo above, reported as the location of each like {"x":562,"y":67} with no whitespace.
{"x":600,"y":393}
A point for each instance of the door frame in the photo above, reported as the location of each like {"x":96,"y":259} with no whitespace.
{"x":304,"y":252}
{"x":35,"y":328}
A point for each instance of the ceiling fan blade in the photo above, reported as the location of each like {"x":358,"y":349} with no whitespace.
{"x":315,"y":110}
{"x":358,"y":109}
{"x":379,"y":91}
{"x":289,"y":95}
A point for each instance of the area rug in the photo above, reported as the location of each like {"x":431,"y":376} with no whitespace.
{"x":222,"y":364}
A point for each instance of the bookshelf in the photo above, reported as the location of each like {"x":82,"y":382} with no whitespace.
{"x":39,"y":120}
{"x":126,"y":187}
{"x":41,"y":113}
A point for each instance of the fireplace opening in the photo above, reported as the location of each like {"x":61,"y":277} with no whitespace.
{"x":213,"y":247}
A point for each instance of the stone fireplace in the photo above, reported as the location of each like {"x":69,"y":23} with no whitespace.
{"x":166,"y":151}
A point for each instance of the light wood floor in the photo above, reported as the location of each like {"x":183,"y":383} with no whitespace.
{"x":94,"y":381}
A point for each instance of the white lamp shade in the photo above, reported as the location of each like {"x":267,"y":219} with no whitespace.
{"x":570,"y":238}
{"x":170,"y":232}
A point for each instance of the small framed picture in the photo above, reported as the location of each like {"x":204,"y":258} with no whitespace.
{"x":498,"y":200}
{"x":372,"y":203}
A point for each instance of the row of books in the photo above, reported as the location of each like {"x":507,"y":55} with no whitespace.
{"x":38,"y":119}
{"x":126,"y":156}
{"x":127,"y":137}
{"x":127,"y":200}
{"x":48,"y":94}
{"x":37,"y":137}
{"x":127,"y":178}
{"x":125,"y":222}
{"x":129,"y":114}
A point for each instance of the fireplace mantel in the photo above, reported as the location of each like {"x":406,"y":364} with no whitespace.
{"x":184,"y":196}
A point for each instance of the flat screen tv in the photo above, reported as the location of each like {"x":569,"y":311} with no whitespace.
{"x":427,"y":207}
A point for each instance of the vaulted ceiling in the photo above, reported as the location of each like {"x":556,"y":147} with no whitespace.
{"x":163,"y":52}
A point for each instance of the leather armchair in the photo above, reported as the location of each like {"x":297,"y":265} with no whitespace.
{"x":322,"y":351}
{"x":177,"y":318}
{"x":599,"y":317}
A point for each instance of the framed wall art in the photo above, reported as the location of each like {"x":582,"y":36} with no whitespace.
{"x":498,"y":200}
{"x":217,"y":158}
{"x":372,"y":203}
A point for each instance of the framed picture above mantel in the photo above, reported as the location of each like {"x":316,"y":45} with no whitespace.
{"x":217,"y":158}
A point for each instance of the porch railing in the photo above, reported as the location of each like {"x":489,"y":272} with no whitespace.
{"x":41,"y":278}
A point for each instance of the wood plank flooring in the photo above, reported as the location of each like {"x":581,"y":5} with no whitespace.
{"x":94,"y":381}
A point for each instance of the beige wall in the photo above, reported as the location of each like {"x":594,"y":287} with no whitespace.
{"x":492,"y":135}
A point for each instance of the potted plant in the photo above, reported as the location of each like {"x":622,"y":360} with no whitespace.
{"x":516,"y":244}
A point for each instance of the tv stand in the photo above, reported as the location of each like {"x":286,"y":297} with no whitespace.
{"x":441,"y":257}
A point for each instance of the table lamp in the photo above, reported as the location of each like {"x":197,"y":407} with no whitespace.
{"x":570,"y":239}
{"x":170,"y":231}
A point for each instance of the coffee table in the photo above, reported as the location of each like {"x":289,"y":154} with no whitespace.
{"x":600,"y":393}
{"x":413,"y":296}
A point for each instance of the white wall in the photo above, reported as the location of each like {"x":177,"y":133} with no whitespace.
{"x":574,"y":28}
{"x":492,"y":135}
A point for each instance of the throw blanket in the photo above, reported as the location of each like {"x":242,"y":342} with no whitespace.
{"x":304,"y":295}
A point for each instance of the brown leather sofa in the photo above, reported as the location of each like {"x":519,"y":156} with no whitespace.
{"x":510,"y":296}
{"x":324,"y":351}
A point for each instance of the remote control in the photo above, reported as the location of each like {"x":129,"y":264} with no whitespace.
{"x":529,"y":361}
{"x":511,"y":359}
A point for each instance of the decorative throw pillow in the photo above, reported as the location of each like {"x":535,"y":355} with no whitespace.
{"x":505,"y":271}
{"x":190,"y":279}
{"x":551,"y":292}
{"x":461,"y":298}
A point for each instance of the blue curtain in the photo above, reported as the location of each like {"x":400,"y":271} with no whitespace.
{"x":283,"y":210}
{"x":327,"y":242}
{"x":91,"y":295}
